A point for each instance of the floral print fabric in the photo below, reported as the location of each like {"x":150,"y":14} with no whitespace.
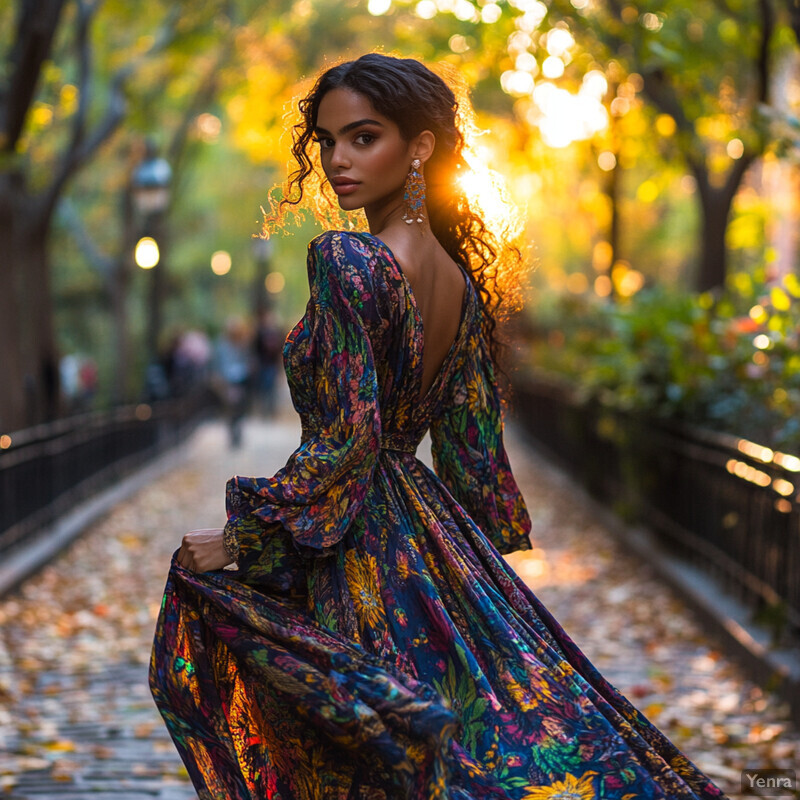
{"x":372,"y":642}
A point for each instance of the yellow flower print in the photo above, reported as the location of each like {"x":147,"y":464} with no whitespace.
{"x":361,"y":573}
{"x":681,"y":765}
{"x":402,"y":567}
{"x":522,"y":697}
{"x":571,"y":788}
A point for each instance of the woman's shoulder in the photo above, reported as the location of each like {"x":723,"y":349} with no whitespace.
{"x":348,"y":255}
{"x":336,"y":244}
{"x":354,"y":267}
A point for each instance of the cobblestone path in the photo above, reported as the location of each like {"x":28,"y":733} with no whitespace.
{"x":77,"y":720}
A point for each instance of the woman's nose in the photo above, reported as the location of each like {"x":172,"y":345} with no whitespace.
{"x":339,"y":157}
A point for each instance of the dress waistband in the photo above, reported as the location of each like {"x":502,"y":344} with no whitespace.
{"x":396,"y":442}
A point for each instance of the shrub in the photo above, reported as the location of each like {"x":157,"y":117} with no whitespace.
{"x":729,"y":361}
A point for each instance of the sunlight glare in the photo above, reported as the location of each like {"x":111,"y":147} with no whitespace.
{"x":519,"y":42}
{"x":466,"y":12}
{"x":526,"y":62}
{"x":563,"y":117}
{"x":553,"y":67}
{"x":595,"y":84}
{"x":516,"y":82}
{"x":490,"y":13}
{"x":425,"y":9}
{"x":559,"y":41}
{"x":378,"y":7}
{"x":486,"y":189}
{"x":534,"y":7}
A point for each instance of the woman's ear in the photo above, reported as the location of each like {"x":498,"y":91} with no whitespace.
{"x":422,"y":146}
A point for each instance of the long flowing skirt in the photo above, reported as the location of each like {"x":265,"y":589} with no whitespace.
{"x":410,"y":662}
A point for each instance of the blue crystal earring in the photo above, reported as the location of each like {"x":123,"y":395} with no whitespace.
{"x":414,"y":196}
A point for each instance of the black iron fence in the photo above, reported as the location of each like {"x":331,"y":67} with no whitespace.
{"x":47,"y":470}
{"x":730,"y":505}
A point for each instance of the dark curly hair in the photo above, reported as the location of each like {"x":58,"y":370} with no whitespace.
{"x":416,"y":99}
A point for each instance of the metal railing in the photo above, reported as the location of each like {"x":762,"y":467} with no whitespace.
{"x":729,"y":505}
{"x":47,"y":470}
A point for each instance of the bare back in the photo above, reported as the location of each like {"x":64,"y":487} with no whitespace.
{"x":438,"y":287}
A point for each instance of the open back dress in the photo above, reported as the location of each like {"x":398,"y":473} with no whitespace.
{"x":373,"y":643}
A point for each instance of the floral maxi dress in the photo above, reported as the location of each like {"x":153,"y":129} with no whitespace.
{"x":372,"y":642}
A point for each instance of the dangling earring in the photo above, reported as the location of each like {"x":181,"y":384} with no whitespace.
{"x":414,"y":196}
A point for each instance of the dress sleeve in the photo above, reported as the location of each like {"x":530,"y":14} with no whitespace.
{"x":318,"y":493}
{"x":469,"y":456}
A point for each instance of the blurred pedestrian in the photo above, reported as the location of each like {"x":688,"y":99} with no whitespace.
{"x":233,"y":367}
{"x":269,"y":348}
{"x":189,"y":358}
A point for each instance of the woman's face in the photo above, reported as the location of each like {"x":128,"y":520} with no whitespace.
{"x":364,"y":157}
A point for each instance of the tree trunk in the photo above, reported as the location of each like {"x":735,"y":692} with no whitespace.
{"x":30,"y":362}
{"x":715,"y":204}
{"x":42,"y":355}
{"x":612,"y":190}
{"x":12,"y":401}
{"x":713,"y":265}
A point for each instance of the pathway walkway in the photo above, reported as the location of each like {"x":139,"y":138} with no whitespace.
{"x":77,"y":720}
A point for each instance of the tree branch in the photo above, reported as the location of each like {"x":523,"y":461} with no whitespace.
{"x":82,"y":145}
{"x":99,"y":262}
{"x":204,"y":95}
{"x":36,"y":25}
{"x":763,"y":72}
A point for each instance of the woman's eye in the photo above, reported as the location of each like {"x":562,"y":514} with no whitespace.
{"x":324,"y":143}
{"x":365,"y":138}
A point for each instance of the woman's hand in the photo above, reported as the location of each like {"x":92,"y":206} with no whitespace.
{"x":202,"y":550}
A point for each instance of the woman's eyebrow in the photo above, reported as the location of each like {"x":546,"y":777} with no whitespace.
{"x":350,"y":126}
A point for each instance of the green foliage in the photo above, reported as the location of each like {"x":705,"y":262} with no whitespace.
{"x":730,"y":361}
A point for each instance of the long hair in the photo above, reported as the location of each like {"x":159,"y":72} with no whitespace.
{"x":416,"y":99}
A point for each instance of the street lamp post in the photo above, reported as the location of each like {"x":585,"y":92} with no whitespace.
{"x":150,"y":187}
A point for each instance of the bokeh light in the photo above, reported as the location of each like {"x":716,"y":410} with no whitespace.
{"x":146,"y":255}
{"x":378,"y":7}
{"x":761,"y":341}
{"x":606,"y":161}
{"x":274,"y":282}
{"x":426,"y":9}
{"x":735,"y":148}
{"x":209,"y":127}
{"x":553,"y":67}
{"x":491,"y":13}
{"x":221,"y":262}
{"x":603,"y":286}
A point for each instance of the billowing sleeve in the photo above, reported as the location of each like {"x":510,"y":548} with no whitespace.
{"x":469,"y":456}
{"x":317,"y":495}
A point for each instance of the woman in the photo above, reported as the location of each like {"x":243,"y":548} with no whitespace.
{"x":372,"y":642}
